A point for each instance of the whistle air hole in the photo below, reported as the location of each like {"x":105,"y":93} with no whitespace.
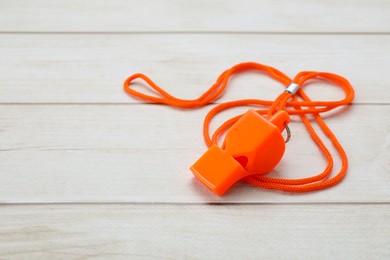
{"x":243,"y":160}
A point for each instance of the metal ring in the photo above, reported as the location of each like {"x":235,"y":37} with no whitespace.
{"x":288,"y":133}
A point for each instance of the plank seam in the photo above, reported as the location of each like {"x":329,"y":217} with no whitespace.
{"x":354,"y":203}
{"x":134,"y":103}
{"x":196,"y":32}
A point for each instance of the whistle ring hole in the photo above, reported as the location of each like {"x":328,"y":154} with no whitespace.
{"x":288,"y":133}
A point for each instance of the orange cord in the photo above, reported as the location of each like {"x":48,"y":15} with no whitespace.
{"x":285,"y":100}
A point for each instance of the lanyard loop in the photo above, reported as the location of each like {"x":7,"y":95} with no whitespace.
{"x":293,"y":100}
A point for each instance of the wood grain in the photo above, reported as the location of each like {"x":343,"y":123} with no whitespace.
{"x":195,"y":16}
{"x":137,"y":153}
{"x":195,"y":232}
{"x":92,"y":68}
{"x":115,"y":171}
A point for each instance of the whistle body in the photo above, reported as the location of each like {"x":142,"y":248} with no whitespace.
{"x":253,"y":145}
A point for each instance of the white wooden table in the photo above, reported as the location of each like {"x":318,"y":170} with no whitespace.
{"x":88,"y":172}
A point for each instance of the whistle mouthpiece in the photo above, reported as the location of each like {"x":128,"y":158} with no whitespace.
{"x":218,"y":170}
{"x":253,"y":145}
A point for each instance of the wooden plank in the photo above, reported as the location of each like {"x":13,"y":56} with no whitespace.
{"x":91,"y":68}
{"x":210,"y":16}
{"x":196,"y":232}
{"x":138,"y":153}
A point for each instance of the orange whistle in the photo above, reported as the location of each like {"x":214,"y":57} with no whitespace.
{"x":253,"y":145}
